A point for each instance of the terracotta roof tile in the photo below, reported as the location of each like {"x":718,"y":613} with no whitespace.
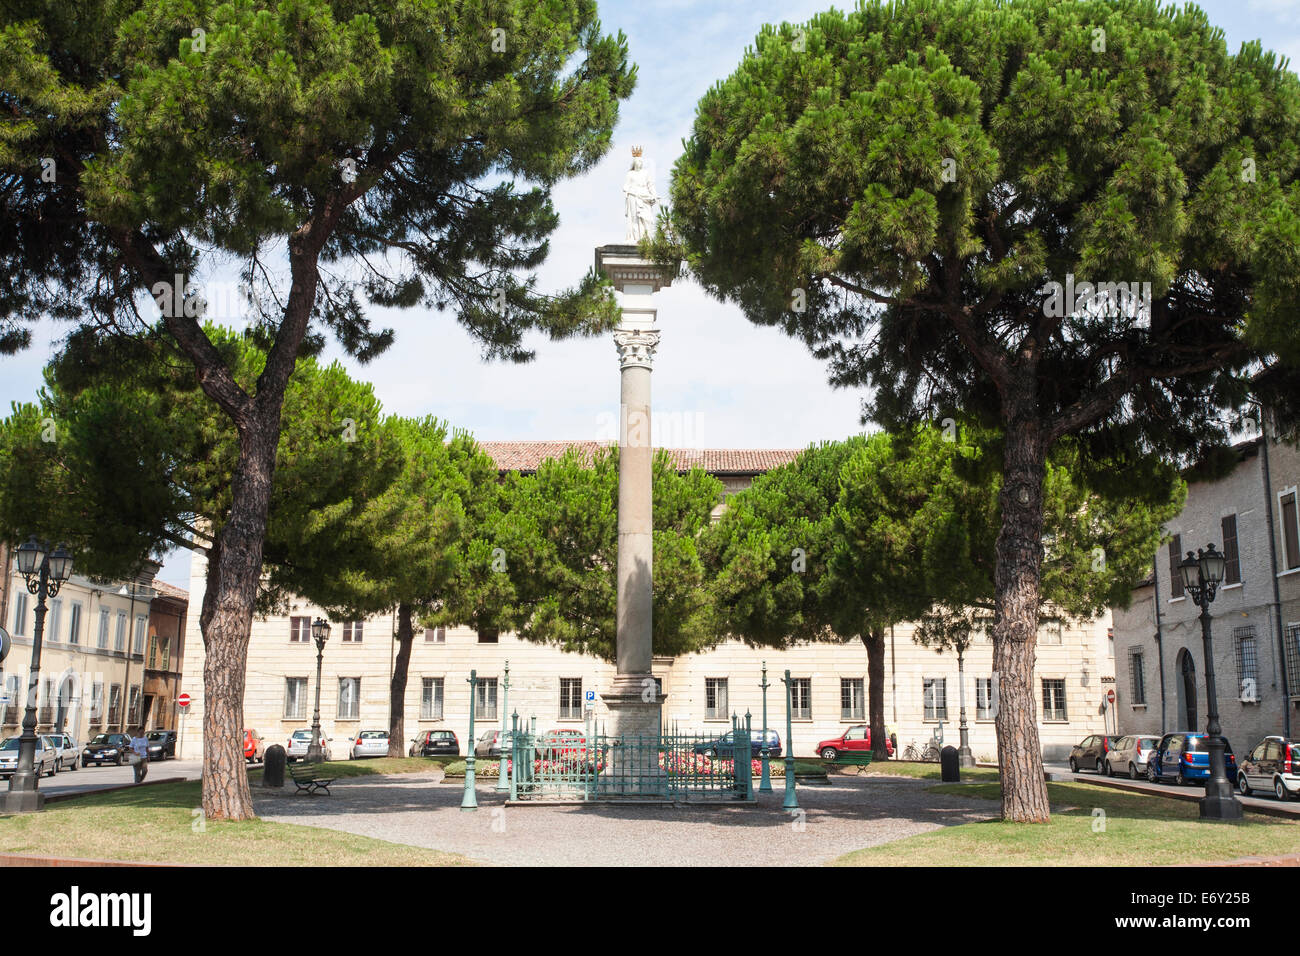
{"x":527,"y":455}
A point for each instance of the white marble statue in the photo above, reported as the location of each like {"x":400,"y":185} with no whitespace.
{"x":640,"y":200}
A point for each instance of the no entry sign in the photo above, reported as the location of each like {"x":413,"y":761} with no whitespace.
{"x":183,"y":700}
{"x":1110,"y":696}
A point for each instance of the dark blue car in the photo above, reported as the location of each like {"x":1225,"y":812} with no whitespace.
{"x":725,"y":745}
{"x":1184,"y":757}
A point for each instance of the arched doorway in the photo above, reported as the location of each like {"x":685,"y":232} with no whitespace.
{"x":1186,"y":690}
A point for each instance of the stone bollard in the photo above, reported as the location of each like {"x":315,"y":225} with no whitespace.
{"x":949,"y":765}
{"x":273,"y":766}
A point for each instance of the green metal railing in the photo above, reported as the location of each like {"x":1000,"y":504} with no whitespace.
{"x":592,"y":765}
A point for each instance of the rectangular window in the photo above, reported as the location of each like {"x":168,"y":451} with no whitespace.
{"x":133,"y":705}
{"x":20,"y":613}
{"x":1054,"y":699}
{"x":1231,"y":558}
{"x":984,"y":698}
{"x":1110,"y":643}
{"x":9,"y":711}
{"x":97,"y":703}
{"x":74,"y":622}
{"x":114,"y":705}
{"x":1290,"y":529}
{"x":431,"y":699}
{"x":45,"y":702}
{"x":349,"y":698}
{"x":715,"y":698}
{"x":54,"y":620}
{"x":570,"y":698}
{"x":119,"y":633}
{"x":165,"y":654}
{"x":1293,"y":660}
{"x":852,"y":701}
{"x":1137,"y":677}
{"x":1050,"y":631}
{"x":102,"y":641}
{"x":934,"y":692}
{"x":153,"y":653}
{"x":1175,"y":557}
{"x":299,"y":630}
{"x":435,"y":635}
{"x":801,"y":698}
{"x":486,"y":704}
{"x":295,"y":698}
{"x":1247,"y":663}
{"x":488,"y":635}
{"x":141,"y":628}
{"x":352,"y":632}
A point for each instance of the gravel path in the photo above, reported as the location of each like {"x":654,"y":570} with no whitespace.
{"x":854,"y":812}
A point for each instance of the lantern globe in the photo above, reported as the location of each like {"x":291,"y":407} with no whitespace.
{"x":1212,"y":565}
{"x":30,"y":556}
{"x":1190,"y":568}
{"x":320,"y":629}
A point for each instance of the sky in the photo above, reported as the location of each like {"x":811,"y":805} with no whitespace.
{"x":718,"y":381}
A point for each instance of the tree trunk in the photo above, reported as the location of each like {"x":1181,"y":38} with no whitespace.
{"x":234,"y":573}
{"x":875,"y":641}
{"x":1016,"y":586}
{"x":397,"y":690}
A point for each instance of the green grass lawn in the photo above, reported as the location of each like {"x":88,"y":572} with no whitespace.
{"x":372,"y":765}
{"x":157,"y":824}
{"x":929,"y":771}
{"x":1130,"y":830}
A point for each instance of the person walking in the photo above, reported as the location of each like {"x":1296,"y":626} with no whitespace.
{"x":141,"y":748}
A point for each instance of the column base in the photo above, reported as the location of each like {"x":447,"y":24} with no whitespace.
{"x":1219,"y":807}
{"x":964,"y":757}
{"x":636,"y":725}
{"x":24,"y":801}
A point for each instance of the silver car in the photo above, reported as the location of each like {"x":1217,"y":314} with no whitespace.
{"x":370,"y":743}
{"x":300,"y":740}
{"x":46,"y":763}
{"x":67,"y":749}
{"x":1129,"y":755}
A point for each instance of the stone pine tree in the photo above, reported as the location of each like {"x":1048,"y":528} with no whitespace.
{"x":343,"y":154}
{"x":1053,"y":217}
{"x":555,"y":551}
{"x":401,"y":549}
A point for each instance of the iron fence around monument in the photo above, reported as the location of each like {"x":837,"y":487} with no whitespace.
{"x":591,"y":766}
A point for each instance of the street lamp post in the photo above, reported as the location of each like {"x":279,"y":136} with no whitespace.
{"x":1201,"y":577}
{"x":502,"y":784}
{"x":765,"y":784}
{"x":791,"y":798}
{"x":44,"y":571}
{"x":469,"y":799}
{"x":320,"y":630}
{"x":964,"y":756}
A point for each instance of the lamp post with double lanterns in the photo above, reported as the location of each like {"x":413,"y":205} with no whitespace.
{"x":44,"y":571}
{"x":320,"y":631}
{"x":1201,"y":577}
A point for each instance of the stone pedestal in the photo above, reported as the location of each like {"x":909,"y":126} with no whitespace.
{"x":23,"y":801}
{"x":635,"y":709}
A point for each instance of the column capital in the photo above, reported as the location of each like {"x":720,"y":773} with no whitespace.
{"x":636,"y":347}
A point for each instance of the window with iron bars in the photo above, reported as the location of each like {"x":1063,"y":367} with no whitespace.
{"x":115,"y":705}
{"x":431,"y":699}
{"x":801,"y":698}
{"x":1137,"y":678}
{"x":1243,"y":638}
{"x":984,"y":698}
{"x":45,"y":712}
{"x":486,"y":708}
{"x":934,"y":690}
{"x":715,"y":698}
{"x":851,"y":699}
{"x":570,"y":698}
{"x":1054,"y":699}
{"x":1293,"y":660}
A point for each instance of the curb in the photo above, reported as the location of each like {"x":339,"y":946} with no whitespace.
{"x":55,"y":797}
{"x":1264,"y":810}
{"x":13,"y":859}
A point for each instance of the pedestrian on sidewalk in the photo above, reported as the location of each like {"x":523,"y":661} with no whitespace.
{"x":141,"y":748}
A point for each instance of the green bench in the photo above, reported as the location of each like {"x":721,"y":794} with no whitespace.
{"x":852,"y":758}
{"x":306,"y":779}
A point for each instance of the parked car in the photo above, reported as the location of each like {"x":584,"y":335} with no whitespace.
{"x":1091,"y":752}
{"x":489,"y":745}
{"x":162,"y":744}
{"x":46,"y":762}
{"x":369,"y":743}
{"x":725,"y":745}
{"x":255,"y":746}
{"x":69,"y":753}
{"x":300,"y":740}
{"x":1182,"y":757}
{"x":106,"y":748}
{"x":1272,"y":764}
{"x":854,"y":739}
{"x":1129,"y":755}
{"x":565,"y":741}
{"x":434,"y":743}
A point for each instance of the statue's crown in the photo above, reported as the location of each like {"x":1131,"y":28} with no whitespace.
{"x":636,"y":150}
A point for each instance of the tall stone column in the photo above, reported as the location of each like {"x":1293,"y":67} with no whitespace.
{"x":635,"y":707}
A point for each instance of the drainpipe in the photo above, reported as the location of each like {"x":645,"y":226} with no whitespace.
{"x":1272,"y":573}
{"x":1160,"y":642}
{"x":893,"y":676}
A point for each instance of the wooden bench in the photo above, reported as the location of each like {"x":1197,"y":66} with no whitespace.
{"x":858,"y":759}
{"x":306,"y":779}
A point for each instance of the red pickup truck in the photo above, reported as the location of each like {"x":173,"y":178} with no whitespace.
{"x":855,"y":738}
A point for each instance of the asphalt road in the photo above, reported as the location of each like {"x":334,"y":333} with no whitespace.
{"x":1062,"y":772}
{"x":87,"y":779}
